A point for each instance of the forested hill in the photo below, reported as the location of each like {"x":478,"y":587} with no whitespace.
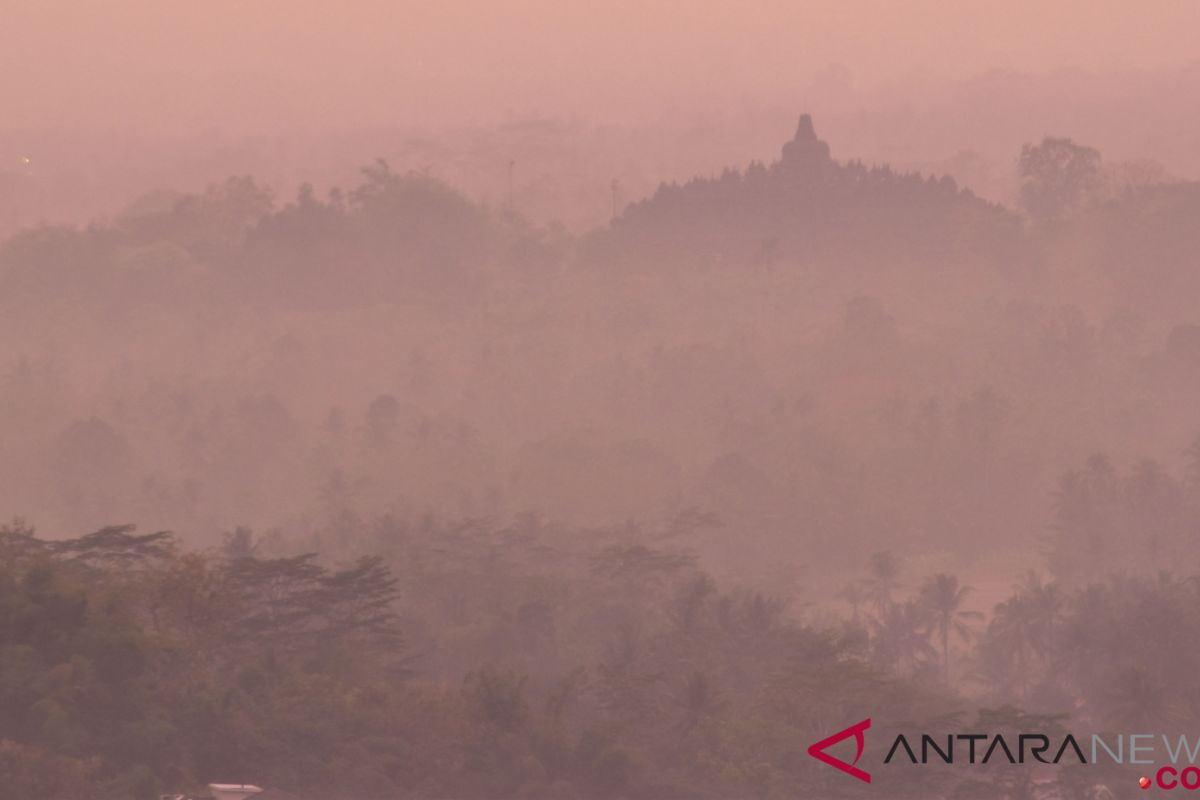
{"x":808,"y":202}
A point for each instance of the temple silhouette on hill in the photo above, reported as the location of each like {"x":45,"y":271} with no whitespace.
{"x":806,"y":201}
{"x":805,"y":149}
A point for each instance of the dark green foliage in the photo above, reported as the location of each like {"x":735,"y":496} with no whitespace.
{"x":1059,"y":177}
{"x":128,"y":667}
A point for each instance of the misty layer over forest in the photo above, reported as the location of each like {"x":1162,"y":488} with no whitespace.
{"x":463,"y":504}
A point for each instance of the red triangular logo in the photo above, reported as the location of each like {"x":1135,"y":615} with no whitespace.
{"x":817,"y":751}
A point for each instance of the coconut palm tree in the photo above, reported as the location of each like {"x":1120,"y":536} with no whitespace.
{"x":1025,"y":627}
{"x":900,"y":638}
{"x":855,"y":595}
{"x":942,"y":597}
{"x":885,"y":573}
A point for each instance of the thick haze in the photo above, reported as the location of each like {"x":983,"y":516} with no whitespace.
{"x":529,"y":401}
{"x":104,"y":101}
{"x":272,"y":65}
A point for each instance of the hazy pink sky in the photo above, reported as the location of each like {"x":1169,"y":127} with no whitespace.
{"x":264,"y":64}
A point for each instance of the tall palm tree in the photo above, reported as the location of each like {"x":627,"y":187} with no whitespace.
{"x":900,"y":639}
{"x":1193,"y":462}
{"x":1025,"y":627}
{"x":885,"y":573}
{"x":942,"y":597}
{"x":855,"y":595}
